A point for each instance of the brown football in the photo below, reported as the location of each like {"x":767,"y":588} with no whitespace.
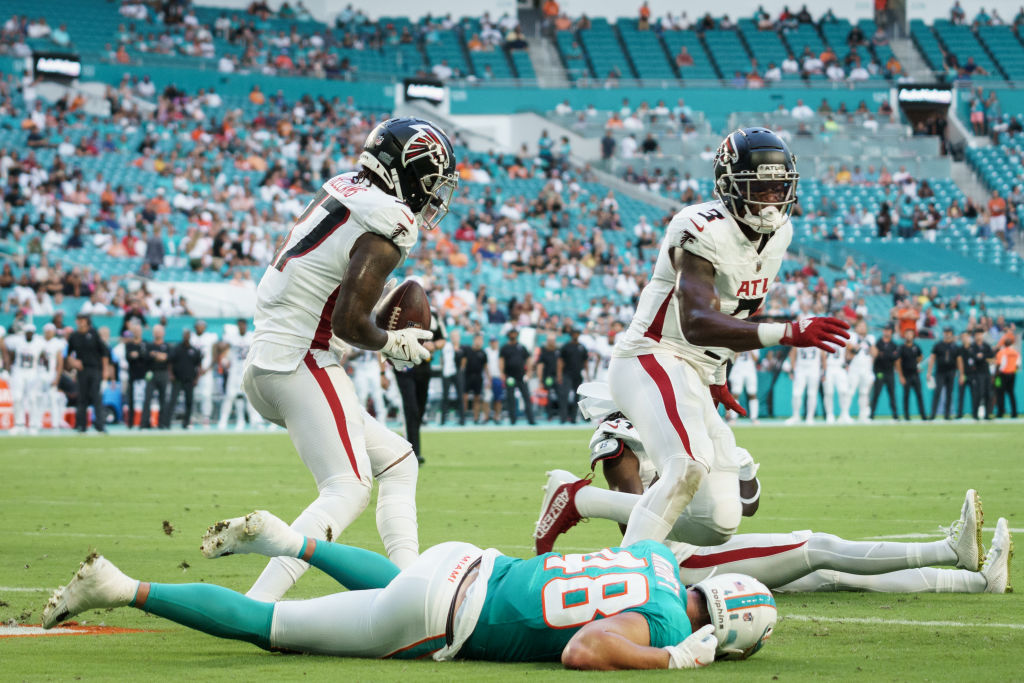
{"x":405,"y":306}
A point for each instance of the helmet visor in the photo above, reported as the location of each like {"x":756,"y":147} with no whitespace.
{"x":438,"y":199}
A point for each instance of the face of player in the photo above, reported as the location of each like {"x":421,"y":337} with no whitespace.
{"x":243,"y":327}
{"x":861,"y":328}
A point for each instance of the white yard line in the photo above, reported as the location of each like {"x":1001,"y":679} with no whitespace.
{"x":896,"y":622}
{"x":21,"y":589}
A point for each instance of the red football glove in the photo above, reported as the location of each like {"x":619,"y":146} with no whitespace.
{"x":828,"y":334}
{"x":720,"y":394}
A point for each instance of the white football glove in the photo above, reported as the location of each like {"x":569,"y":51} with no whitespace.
{"x":696,"y":651}
{"x":406,"y":345}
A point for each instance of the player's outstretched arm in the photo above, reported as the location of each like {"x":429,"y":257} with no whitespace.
{"x":704,"y":325}
{"x":370,"y":263}
{"x":618,"y":642}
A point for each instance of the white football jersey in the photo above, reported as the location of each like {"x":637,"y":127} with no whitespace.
{"x":746,"y":361}
{"x":25,"y":354}
{"x":238,"y":347}
{"x":296,"y":295}
{"x":742,"y":278}
{"x":53,"y":349}
{"x":862,"y":359}
{"x":808,"y":359}
{"x":205,"y":343}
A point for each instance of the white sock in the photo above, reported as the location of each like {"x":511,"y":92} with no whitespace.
{"x":752,"y":408}
{"x":340,"y":502}
{"x":396,"y":512}
{"x":922,"y":580}
{"x":604,"y":504}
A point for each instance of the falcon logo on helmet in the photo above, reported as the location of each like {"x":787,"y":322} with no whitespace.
{"x":413,"y":160}
{"x":425,"y":144}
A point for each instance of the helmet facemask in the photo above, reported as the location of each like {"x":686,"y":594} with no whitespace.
{"x":761,"y":199}
{"x":439,"y":196}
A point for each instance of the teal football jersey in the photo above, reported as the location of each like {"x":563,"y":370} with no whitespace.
{"x":533,"y":607}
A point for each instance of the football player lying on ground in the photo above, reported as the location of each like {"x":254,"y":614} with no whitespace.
{"x":799,"y":561}
{"x":618,"y":608}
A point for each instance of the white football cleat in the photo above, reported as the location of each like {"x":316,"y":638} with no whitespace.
{"x":96,"y":584}
{"x":792,"y":420}
{"x":259,"y":533}
{"x":964,"y":535}
{"x":558,"y":511}
{"x":996,"y":569}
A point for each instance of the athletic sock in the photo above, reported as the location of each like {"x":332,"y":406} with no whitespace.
{"x":752,"y":408}
{"x":354,"y":568}
{"x":211,"y":609}
{"x":604,"y":504}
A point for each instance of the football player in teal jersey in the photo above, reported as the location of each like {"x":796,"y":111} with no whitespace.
{"x":618,"y":608}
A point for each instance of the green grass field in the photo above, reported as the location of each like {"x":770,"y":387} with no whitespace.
{"x":63,"y":495}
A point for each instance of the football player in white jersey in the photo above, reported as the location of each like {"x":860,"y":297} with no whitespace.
{"x":239,"y":340}
{"x":366,"y":376}
{"x":714,"y":269}
{"x":205,"y":341}
{"x":54,"y":348}
{"x":837,"y":384}
{"x":801,"y":561}
{"x":861,"y":351}
{"x":317,"y":296}
{"x":24,"y":356}
{"x":806,"y":376}
{"x":743,"y":380}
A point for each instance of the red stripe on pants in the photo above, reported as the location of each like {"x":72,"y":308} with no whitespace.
{"x":322,"y":378}
{"x":715,"y":559}
{"x":668,"y":396}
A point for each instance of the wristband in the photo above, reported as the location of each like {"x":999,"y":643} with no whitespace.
{"x":771,"y":334}
{"x":753,"y":498}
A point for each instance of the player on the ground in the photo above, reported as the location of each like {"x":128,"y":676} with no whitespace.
{"x":798,"y":561}
{"x":743,"y":380}
{"x":618,"y":608}
{"x":24,"y":355}
{"x":239,"y":340}
{"x":54,"y":348}
{"x":323,"y":285}
{"x":861,"y":352}
{"x":714,"y":269}
{"x":806,"y":375}
{"x":206,"y":341}
{"x":725,"y":495}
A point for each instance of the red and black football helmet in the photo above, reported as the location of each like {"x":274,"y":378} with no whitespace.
{"x":415,"y":161}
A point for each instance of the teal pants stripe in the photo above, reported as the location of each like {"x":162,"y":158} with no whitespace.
{"x":214,"y":610}
{"x":354,"y":568}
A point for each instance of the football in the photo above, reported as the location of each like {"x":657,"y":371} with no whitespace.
{"x":405,"y":306}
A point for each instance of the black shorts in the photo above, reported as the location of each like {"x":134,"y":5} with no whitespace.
{"x":475,"y":385}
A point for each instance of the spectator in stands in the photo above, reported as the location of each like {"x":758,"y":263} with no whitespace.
{"x":726,"y":24}
{"x":550,"y":12}
{"x":997,"y":217}
{"x":982,"y":18}
{"x":811,"y":63}
{"x":971,"y":69}
{"x":650,"y":145}
{"x":773,"y":73}
{"x":801,"y":111}
{"x":957,"y":15}
{"x":443,"y":71}
{"x":859,"y":72}
{"x":684,"y":58}
{"x":515,"y":39}
{"x":883,"y":220}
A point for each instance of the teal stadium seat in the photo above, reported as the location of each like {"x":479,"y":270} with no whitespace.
{"x":702,"y":68}
{"x":646,"y":51}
